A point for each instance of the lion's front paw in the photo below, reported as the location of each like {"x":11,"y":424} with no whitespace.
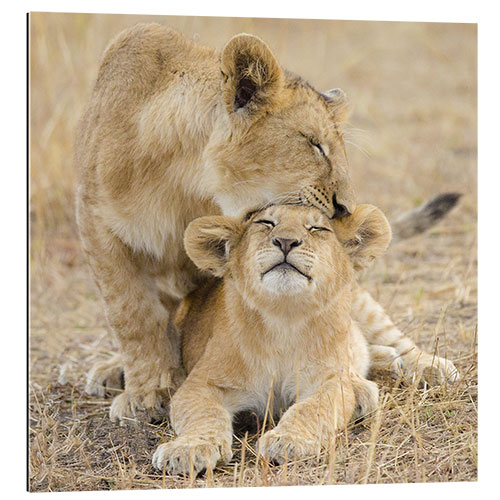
{"x":279,"y":446}
{"x":185,"y":455}
{"x":106,"y":377}
{"x":432,"y":370}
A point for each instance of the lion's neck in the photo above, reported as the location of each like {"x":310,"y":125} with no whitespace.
{"x":289,"y":321}
{"x":181,"y":121}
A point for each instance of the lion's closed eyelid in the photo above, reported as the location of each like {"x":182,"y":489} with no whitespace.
{"x":318,"y":228}
{"x":265,"y":222}
{"x":315,"y":142}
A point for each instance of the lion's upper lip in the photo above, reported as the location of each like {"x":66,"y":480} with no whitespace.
{"x":286,"y":265}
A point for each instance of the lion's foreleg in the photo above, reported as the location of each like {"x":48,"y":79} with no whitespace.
{"x":309,"y":425}
{"x":138,"y":320}
{"x":204,"y":429}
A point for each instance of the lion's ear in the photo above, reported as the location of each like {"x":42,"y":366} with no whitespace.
{"x":252,"y":76}
{"x":207,"y":241}
{"x":365,"y":235}
{"x":338,"y":104}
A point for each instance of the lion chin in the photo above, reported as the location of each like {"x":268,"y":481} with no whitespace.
{"x":286,"y":279}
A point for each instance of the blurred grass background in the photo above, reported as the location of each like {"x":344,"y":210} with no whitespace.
{"x":412,"y":134}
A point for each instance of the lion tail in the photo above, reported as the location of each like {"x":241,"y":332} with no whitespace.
{"x":423,"y":217}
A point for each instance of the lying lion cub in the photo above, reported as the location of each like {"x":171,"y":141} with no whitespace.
{"x":275,"y":332}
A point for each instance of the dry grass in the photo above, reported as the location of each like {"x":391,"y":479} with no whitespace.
{"x":413,"y":88}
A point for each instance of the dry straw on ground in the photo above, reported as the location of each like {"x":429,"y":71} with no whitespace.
{"x":412,"y":135}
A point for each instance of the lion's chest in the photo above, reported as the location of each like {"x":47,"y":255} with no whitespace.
{"x":149,"y":233}
{"x":154,"y":222}
{"x":274,"y":378}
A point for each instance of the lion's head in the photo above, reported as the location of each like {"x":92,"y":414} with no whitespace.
{"x":279,"y":140}
{"x":288,"y":252}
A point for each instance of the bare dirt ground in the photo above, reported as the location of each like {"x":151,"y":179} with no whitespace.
{"x":412,"y":134}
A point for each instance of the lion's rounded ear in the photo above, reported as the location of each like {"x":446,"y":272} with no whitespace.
{"x":252,"y":77}
{"x":338,"y":104}
{"x":365,"y":235}
{"x":207,"y":241}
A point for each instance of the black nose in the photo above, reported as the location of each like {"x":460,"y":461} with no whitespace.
{"x":340,"y":210}
{"x":286,"y":244}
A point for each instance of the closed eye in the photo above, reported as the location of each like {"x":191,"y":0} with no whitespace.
{"x":268,"y":223}
{"x":319,"y":147}
{"x":313,"y":229}
{"x":323,"y":150}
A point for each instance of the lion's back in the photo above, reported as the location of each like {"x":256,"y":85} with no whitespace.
{"x":139,"y":63}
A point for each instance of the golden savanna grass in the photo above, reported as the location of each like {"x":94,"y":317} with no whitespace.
{"x":411,"y":135}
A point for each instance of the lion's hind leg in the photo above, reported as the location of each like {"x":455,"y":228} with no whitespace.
{"x":380,"y":331}
{"x":383,"y":357}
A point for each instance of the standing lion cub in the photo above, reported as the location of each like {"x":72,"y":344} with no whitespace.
{"x":276,"y":330}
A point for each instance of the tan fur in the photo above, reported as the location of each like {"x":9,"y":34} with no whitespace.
{"x":391,"y":349}
{"x":281,"y":336}
{"x":173,"y":131}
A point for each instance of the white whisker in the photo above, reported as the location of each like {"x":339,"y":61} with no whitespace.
{"x":359,"y":148}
